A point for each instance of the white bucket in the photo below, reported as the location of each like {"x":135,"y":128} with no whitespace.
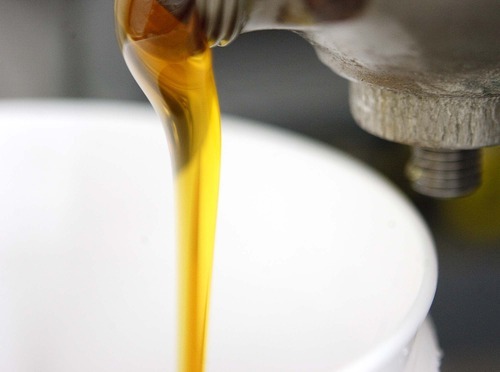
{"x":320,"y":264}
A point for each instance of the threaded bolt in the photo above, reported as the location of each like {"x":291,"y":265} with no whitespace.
{"x":444,"y":173}
{"x":222,"y":19}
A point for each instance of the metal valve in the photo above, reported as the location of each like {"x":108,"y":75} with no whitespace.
{"x":424,"y":73}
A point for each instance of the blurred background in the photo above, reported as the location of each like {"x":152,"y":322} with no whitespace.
{"x":67,"y":49}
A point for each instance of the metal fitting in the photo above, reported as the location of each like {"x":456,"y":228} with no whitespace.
{"x":444,"y":173}
{"x":421,"y":75}
{"x":222,"y":20}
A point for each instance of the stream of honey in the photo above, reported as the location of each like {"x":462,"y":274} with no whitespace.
{"x":171,"y":61}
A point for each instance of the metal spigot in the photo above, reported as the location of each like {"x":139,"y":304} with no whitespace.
{"x":424,"y":73}
{"x":224,"y":20}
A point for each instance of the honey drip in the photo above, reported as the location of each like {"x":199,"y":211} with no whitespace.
{"x":171,"y":61}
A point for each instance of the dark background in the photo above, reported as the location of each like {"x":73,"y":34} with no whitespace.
{"x":67,"y":48}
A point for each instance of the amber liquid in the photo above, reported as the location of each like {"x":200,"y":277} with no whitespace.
{"x":172,"y":63}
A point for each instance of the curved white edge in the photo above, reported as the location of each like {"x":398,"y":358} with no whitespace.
{"x":425,"y":353}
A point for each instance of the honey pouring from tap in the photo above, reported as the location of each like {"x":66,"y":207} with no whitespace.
{"x":420,"y":75}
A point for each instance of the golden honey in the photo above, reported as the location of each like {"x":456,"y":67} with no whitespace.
{"x":171,"y":61}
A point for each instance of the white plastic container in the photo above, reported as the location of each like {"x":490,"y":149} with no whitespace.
{"x":320,"y":264}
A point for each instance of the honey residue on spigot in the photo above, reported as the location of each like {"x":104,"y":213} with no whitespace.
{"x":171,"y":61}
